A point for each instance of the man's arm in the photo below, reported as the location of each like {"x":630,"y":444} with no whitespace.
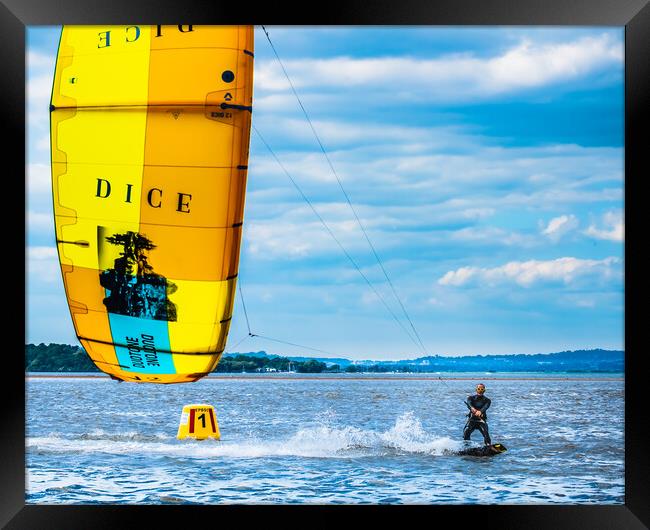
{"x":470,"y":405}
{"x":486,"y":405}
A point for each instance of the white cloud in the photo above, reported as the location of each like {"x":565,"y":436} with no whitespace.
{"x":40,"y":222}
{"x":614,"y":228}
{"x":559,"y":226}
{"x":450,"y":77}
{"x":299,"y":234}
{"x":38,"y":60}
{"x":40,"y":68}
{"x":585,"y":302}
{"x":339,"y":135}
{"x":369,"y":297}
{"x":526,"y":273}
{"x":423,"y":164}
{"x":417,"y":200}
{"x":39,"y":179}
{"x":492,"y":236}
{"x":528,"y":65}
{"x":43,"y":143}
{"x":41,"y":253}
{"x":286,"y":231}
{"x":43,"y":265}
{"x":563,"y":195}
{"x":478,"y":213}
{"x":281,"y":239}
{"x":39,"y":91}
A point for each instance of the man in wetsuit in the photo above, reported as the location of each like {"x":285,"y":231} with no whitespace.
{"x":477,"y":404}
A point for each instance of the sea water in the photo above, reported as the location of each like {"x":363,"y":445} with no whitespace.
{"x":344,"y":439}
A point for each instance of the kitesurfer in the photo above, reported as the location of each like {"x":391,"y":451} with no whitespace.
{"x":477,"y":404}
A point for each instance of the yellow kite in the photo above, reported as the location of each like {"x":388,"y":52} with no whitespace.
{"x":150,"y":131}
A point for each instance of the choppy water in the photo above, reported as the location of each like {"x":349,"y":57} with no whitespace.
{"x":324,"y":440}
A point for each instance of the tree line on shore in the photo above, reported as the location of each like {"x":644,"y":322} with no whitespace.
{"x":67,"y":358}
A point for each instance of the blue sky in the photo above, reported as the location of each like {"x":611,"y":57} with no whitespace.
{"x":486,"y":165}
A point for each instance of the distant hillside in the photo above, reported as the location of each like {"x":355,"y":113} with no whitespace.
{"x":596,"y":360}
{"x":67,"y":358}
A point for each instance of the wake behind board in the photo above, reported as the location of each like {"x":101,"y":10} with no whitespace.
{"x":486,"y":450}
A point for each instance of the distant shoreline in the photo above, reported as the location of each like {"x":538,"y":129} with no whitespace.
{"x":65,"y":358}
{"x":356,"y":377}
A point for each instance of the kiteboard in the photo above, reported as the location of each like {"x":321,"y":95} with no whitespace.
{"x":485,"y":450}
{"x":150,"y":132}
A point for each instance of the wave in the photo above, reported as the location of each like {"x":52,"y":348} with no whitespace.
{"x":131,"y":436}
{"x":406,"y":436}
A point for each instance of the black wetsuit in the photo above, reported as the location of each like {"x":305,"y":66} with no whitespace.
{"x":481,"y":403}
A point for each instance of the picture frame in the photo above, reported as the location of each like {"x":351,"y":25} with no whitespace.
{"x":634,"y":15}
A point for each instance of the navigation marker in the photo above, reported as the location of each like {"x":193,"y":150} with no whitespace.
{"x":198,"y":422}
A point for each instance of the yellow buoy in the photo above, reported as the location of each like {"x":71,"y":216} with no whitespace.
{"x":198,"y":422}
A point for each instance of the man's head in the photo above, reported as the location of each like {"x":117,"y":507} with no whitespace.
{"x":480,"y":389}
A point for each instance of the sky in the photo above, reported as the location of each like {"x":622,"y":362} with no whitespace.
{"x":486,"y":165}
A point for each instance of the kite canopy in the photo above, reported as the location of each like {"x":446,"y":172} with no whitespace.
{"x":150,"y":129}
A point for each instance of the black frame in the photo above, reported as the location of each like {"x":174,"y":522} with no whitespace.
{"x":633,"y":14}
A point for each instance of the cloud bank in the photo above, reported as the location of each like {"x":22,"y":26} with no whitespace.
{"x":527,"y":273}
